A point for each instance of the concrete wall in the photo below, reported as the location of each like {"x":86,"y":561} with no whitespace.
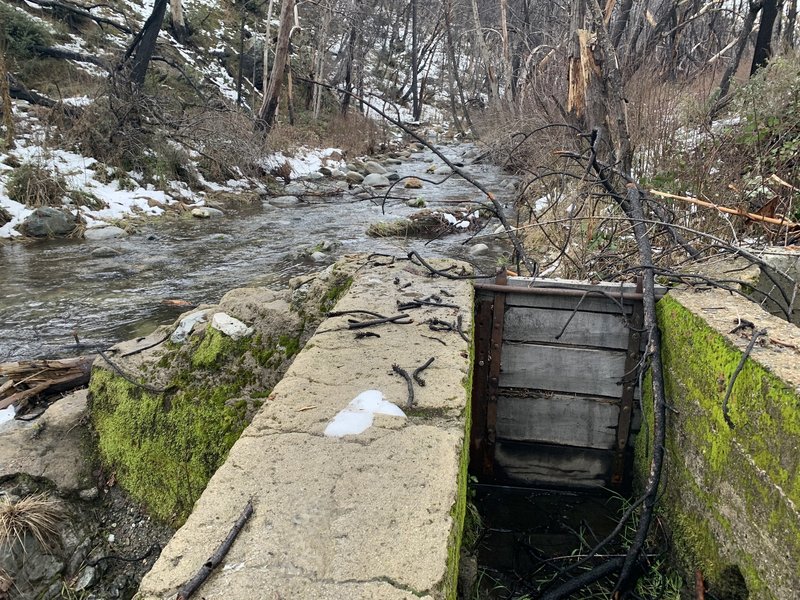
{"x":732,"y":493}
{"x":376,"y":514}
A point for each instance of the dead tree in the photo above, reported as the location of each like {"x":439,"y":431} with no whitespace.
{"x":763,"y":50}
{"x":141,"y":49}
{"x":178,"y":20}
{"x":269,"y":107}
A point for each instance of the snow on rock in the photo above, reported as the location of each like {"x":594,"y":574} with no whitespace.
{"x":306,"y":161}
{"x":360,"y":413}
{"x":187,"y":323}
{"x":231,"y":327}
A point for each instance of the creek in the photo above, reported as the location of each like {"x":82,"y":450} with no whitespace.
{"x":55,"y":290}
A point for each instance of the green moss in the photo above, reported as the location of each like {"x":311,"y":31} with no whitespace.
{"x":290,"y":345}
{"x":459,"y":509}
{"x":710,"y":465}
{"x":211,"y":349}
{"x":333,"y":295}
{"x":164,"y":448}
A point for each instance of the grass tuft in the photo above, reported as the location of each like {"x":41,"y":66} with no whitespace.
{"x":38,"y":515}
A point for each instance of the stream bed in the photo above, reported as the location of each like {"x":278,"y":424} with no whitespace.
{"x":56,"y":290}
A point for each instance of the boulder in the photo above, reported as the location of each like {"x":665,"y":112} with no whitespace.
{"x":49,"y":222}
{"x":479,"y":250}
{"x":373,"y":167}
{"x":376,"y":180}
{"x":413,"y":184}
{"x":104,"y":233}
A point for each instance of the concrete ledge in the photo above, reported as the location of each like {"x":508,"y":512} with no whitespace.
{"x":373,"y":515}
{"x":732,"y":493}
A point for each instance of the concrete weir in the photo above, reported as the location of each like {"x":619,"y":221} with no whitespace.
{"x":376,"y":514}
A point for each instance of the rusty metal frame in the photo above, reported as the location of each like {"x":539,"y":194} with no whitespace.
{"x":629,"y":382}
{"x":480,"y":380}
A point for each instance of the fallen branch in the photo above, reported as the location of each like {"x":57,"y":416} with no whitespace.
{"x":731,"y":211}
{"x":409,"y":383}
{"x":739,"y":367}
{"x":191,"y":586}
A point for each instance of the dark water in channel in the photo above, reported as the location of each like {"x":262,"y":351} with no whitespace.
{"x":52,"y":289}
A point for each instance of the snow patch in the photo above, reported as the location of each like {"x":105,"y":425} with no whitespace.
{"x":360,"y":413}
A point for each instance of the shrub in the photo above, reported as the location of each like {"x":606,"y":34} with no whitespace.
{"x":33,"y":185}
{"x":20,"y":34}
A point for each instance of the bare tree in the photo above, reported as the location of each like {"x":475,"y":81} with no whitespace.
{"x":269,"y":106}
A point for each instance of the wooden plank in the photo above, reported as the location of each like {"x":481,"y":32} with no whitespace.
{"x":558,"y":419}
{"x":575,"y":284}
{"x":602,"y":330}
{"x":595,"y":304}
{"x":563,"y":369}
{"x":539,"y":464}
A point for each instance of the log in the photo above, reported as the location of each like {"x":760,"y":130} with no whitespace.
{"x":33,"y":378}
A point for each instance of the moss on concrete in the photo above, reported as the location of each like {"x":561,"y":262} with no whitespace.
{"x":459,"y":510}
{"x":723,"y":496}
{"x":162,"y":448}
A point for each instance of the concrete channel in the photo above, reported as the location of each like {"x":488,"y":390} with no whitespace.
{"x":360,"y":494}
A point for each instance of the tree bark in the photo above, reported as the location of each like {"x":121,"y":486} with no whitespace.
{"x":144,"y":43}
{"x":621,"y":22}
{"x":791,"y":21}
{"x":266,"y":114}
{"x":494,"y":92}
{"x":5,"y":99}
{"x":763,"y":50}
{"x":177,"y":20}
{"x":416,"y":108}
{"x":741,"y":44}
{"x":576,"y":100}
{"x":507,"y":70}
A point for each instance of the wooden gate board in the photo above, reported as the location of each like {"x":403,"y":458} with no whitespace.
{"x":566,"y":349}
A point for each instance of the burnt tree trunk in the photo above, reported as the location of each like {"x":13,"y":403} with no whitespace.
{"x":269,"y":107}
{"x":144,"y":44}
{"x":763,"y":50}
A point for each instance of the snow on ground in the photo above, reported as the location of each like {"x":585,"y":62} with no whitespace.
{"x":77,"y":172}
{"x":306,"y":162}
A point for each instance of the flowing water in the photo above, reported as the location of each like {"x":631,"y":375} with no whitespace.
{"x":54,"y":290}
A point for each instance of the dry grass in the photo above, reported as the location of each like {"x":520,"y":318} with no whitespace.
{"x":38,"y":515}
{"x":33,"y":185}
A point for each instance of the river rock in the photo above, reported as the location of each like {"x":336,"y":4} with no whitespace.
{"x":374,"y":167}
{"x":392,"y":176}
{"x":443,"y":171}
{"x":285,"y":201}
{"x":413,"y":184}
{"x":186,"y":325}
{"x":319,"y":257}
{"x":326,"y":171}
{"x":206,"y":212}
{"x":356,"y":165}
{"x":108,"y":232}
{"x":105,"y":252}
{"x":295,"y":189}
{"x":376,"y":180}
{"x":231,"y":327}
{"x":354,"y":177}
{"x":49,"y":222}
{"x":393,"y":161}
{"x":479,"y":250}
